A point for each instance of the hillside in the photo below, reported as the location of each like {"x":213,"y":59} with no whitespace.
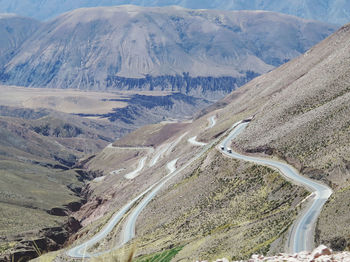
{"x":306,"y":123}
{"x":40,"y":184}
{"x":200,"y":53}
{"x":300,"y":116}
{"x":336,"y":12}
{"x":14,"y":30}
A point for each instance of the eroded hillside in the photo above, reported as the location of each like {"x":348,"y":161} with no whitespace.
{"x":40,"y":184}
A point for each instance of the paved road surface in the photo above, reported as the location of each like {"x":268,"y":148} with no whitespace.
{"x":212,"y":122}
{"x":302,"y":233}
{"x":80,"y":251}
{"x":193,"y":141}
{"x":137,"y":171}
{"x":130,"y":224}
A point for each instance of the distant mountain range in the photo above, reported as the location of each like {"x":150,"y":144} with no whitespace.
{"x":331,"y":11}
{"x":169,"y":48}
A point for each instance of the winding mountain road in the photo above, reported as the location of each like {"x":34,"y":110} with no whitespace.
{"x":301,"y":236}
{"x":81,"y":251}
{"x":193,"y":141}
{"x":137,"y":171}
{"x":212,"y":122}
{"x":302,"y":232}
{"x":130,"y":224}
{"x":159,"y":153}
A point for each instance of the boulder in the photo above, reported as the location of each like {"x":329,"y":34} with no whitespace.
{"x":74,"y":206}
{"x":322,"y":250}
{"x":57,"y":211}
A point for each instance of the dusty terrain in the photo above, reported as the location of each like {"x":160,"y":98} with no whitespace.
{"x":319,"y":254}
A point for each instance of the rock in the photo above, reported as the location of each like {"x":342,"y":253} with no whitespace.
{"x":74,"y":206}
{"x":40,"y":243}
{"x":23,"y":255}
{"x":72,"y":225}
{"x":338,"y":243}
{"x":57,"y":211}
{"x":322,"y":250}
{"x":57,"y":234}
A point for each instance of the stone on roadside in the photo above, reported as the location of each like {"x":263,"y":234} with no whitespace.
{"x":322,"y":250}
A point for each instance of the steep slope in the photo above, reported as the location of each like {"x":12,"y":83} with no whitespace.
{"x":336,"y":12}
{"x":301,"y":115}
{"x":170,"y":48}
{"x":14,"y":30}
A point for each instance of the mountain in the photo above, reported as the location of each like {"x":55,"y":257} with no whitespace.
{"x":14,"y":30}
{"x":330,"y":11}
{"x":215,"y":206}
{"x":169,"y":48}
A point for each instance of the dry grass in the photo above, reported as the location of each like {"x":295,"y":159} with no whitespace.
{"x":226,"y":202}
{"x":23,"y":189}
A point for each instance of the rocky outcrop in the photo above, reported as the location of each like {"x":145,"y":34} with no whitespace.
{"x":143,"y":110}
{"x":204,"y":87}
{"x":95,"y":208}
{"x":57,"y":211}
